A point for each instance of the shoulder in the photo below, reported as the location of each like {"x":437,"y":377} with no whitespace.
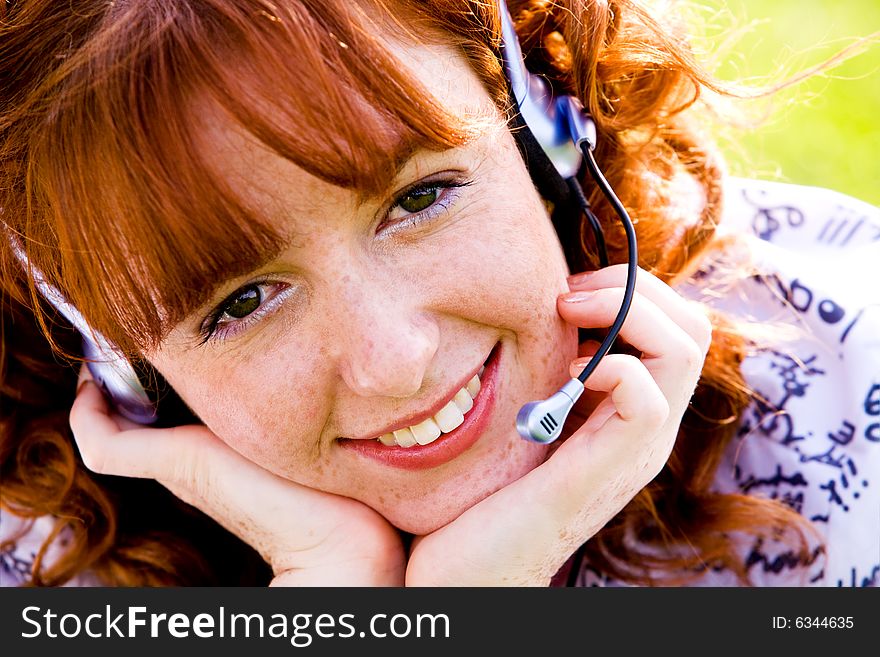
{"x":794,"y":254}
{"x":21,"y":541}
{"x":811,"y":219}
{"x":810,"y":297}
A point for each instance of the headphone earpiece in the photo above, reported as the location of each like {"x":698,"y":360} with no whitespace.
{"x":108,"y":366}
{"x":550,"y":132}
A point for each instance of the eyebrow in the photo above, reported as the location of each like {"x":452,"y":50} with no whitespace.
{"x":402,"y":154}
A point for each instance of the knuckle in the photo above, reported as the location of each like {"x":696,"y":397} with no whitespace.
{"x":192,"y":470}
{"x":188,"y":477}
{"x":629,"y":366}
{"x":692,"y":356}
{"x":186,"y":473}
{"x":657,"y":459}
{"x":703,"y":331}
{"x":657,"y":410}
{"x":90,"y":452}
{"x":650,"y":408}
{"x":652,"y":405}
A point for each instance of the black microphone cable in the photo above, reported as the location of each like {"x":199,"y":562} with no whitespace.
{"x":629,"y":290}
{"x":632,"y":250}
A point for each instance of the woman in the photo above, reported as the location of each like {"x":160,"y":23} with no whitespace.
{"x":313,"y":223}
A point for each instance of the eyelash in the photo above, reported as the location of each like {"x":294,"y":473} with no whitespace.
{"x":448,"y":195}
{"x":213,"y":329}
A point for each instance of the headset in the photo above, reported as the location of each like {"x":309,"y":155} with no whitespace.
{"x":556,"y":138}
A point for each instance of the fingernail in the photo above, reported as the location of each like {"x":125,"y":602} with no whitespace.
{"x":576,"y":297}
{"x":581,"y":362}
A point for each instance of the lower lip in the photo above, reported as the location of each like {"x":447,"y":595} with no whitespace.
{"x":449,"y":445}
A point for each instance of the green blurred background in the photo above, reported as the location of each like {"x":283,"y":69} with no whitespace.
{"x":824,"y":131}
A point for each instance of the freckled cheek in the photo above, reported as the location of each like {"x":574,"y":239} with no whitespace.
{"x":264,"y":409}
{"x":509,"y":277}
{"x":504,"y":269}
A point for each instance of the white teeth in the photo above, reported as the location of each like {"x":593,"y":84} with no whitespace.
{"x":463,"y":400}
{"x":426,"y":432}
{"x":404,"y":437}
{"x":449,"y":417}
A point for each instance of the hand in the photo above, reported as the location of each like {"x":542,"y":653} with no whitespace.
{"x":309,"y":538}
{"x":524,"y":533}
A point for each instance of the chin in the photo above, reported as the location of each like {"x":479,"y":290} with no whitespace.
{"x":421,"y":514}
{"x":416,"y":519}
{"x":425,"y":525}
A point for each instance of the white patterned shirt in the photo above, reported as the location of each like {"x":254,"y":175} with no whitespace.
{"x":812,"y":437}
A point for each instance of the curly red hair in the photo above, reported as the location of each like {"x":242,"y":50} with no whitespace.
{"x":96,"y":151}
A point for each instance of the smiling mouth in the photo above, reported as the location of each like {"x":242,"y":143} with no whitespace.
{"x":398,"y":445}
{"x":421,"y":429}
{"x":447,"y":419}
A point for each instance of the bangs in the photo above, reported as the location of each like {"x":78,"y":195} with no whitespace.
{"x":123,"y":209}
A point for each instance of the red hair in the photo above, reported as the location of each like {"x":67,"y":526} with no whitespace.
{"x":102,"y":178}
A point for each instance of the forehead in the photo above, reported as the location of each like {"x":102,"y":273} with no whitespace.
{"x":264,"y":176}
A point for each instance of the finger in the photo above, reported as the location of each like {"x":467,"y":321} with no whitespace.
{"x":607,"y":460}
{"x":671,"y":354}
{"x":292,"y":526}
{"x":85,"y":374}
{"x":184,"y":458}
{"x":691,"y":316}
{"x":199,"y":469}
{"x":634,"y":394}
{"x":108,"y":448}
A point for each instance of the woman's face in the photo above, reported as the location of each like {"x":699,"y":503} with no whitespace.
{"x":376,"y":316}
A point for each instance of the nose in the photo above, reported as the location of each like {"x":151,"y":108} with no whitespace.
{"x":388,"y":347}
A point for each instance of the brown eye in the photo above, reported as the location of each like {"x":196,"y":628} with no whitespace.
{"x":419,"y":199}
{"x":244,"y":303}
